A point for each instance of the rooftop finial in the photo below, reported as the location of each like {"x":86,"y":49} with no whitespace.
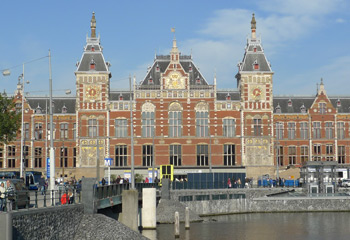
{"x":253,"y":27}
{"x":321,"y":81}
{"x":174,"y":41}
{"x":93,"y":25}
{"x":174,"y":51}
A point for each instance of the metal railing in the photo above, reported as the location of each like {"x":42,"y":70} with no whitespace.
{"x":204,"y":185}
{"x":25,"y":199}
{"x":112,"y":190}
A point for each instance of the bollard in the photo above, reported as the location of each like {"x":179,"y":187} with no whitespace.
{"x":187,"y":218}
{"x":177,"y":225}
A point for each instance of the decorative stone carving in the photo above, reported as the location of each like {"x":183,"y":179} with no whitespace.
{"x":202,"y":107}
{"x":175,"y":106}
{"x":148,"y":107}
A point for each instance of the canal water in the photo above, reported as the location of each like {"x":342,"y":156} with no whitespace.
{"x":262,"y":226}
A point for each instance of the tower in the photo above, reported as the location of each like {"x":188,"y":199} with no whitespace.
{"x":92,"y":86}
{"x":254,"y":81}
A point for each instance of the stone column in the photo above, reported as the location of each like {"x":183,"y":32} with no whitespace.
{"x":130,"y":208}
{"x":149,"y":206}
{"x":87,"y":195}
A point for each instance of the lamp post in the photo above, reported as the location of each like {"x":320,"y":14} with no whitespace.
{"x":52,"y":153}
{"x":277,"y":159}
{"x":132,"y":140}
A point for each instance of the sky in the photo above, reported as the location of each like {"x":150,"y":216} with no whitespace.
{"x":303,"y":40}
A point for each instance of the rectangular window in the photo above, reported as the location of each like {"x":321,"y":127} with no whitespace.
{"x":257,"y":127}
{"x":49,"y":132}
{"x":26,"y":130}
{"x":25,"y":156}
{"x":92,"y":127}
{"x":202,"y":124}
{"x":316,"y":130}
{"x":11,"y":153}
{"x":38,"y":131}
{"x":280,"y":155}
{"x":1,"y":157}
{"x":229,"y":155}
{"x":292,"y":155}
{"x":341,"y":154}
{"x":329,"y":152}
{"x":279,"y":130}
{"x":74,"y":157}
{"x":64,"y":157}
{"x":121,"y":155}
{"x":329,"y":130}
{"x":74,"y":131}
{"x":175,"y":155}
{"x":317,"y":152}
{"x":291,"y":130}
{"x":148,"y":124}
{"x":229,"y":127}
{"x":340,"y":130}
{"x":304,"y":153}
{"x":64,"y":130}
{"x":202,"y":155}
{"x":304,"y":130}
{"x":147,"y":155}
{"x":175,"y":124}
{"x":322,"y":108}
{"x":38,"y":158}
{"x":121,"y":128}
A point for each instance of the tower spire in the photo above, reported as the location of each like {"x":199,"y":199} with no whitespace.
{"x":174,"y":51}
{"x":93,"y":26}
{"x":253,"y":27}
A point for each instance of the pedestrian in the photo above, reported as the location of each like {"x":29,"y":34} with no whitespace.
{"x":103,"y":181}
{"x":229,"y":185}
{"x":147,"y":180}
{"x":239,"y":183}
{"x":2,"y":196}
{"x":10,"y":195}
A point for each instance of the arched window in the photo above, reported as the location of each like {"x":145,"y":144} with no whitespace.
{"x":175,"y":120}
{"x":148,"y":112}
{"x":202,"y":119}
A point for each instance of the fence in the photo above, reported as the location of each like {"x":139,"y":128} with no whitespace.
{"x":26,"y":199}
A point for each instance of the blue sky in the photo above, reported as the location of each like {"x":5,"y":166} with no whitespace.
{"x":303,"y":40}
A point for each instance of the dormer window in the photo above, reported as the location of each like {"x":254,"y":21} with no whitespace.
{"x":92,"y":49}
{"x":121,"y":97}
{"x":150,"y":80}
{"x":278,"y":108}
{"x":92,"y":64}
{"x":174,"y":65}
{"x":190,"y":68}
{"x":256,"y":65}
{"x":338,"y":103}
{"x":228,"y":97}
{"x":198,"y":80}
{"x":38,"y":109}
{"x":303,"y":109}
{"x":254,"y":49}
{"x":290,"y":103}
{"x":64,"y":109}
{"x":157,"y":68}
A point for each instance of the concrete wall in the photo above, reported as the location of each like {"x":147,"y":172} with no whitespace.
{"x":269,"y":204}
{"x":46,"y":223}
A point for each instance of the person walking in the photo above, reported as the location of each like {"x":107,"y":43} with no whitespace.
{"x":229,"y":184}
{"x":103,"y":181}
{"x":2,"y":196}
{"x":239,"y":183}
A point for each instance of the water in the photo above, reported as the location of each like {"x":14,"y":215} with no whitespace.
{"x":262,"y":226}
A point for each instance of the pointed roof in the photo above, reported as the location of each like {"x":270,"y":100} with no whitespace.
{"x":93,"y":53}
{"x":254,"y":59}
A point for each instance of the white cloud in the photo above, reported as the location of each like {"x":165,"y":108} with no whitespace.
{"x":340,"y":20}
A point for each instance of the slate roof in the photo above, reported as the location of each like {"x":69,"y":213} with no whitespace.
{"x":307,"y":101}
{"x":115,"y":95}
{"x":92,"y":53}
{"x":250,"y":57}
{"x":221,"y":95}
{"x":162,"y":62}
{"x":59,"y":102}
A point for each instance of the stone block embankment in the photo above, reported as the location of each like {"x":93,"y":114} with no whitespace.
{"x":46,"y":223}
{"x":166,"y":212}
{"x":98,"y":226}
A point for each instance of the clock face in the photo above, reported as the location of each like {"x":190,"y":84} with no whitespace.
{"x":174,"y":81}
{"x":256,"y":93}
{"x":92,"y":92}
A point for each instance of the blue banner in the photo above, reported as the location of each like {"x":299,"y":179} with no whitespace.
{"x":48,"y":167}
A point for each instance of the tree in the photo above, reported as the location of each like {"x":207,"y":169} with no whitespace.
{"x":10,"y":120}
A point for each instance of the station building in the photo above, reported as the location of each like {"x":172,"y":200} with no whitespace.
{"x":180,"y":118}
